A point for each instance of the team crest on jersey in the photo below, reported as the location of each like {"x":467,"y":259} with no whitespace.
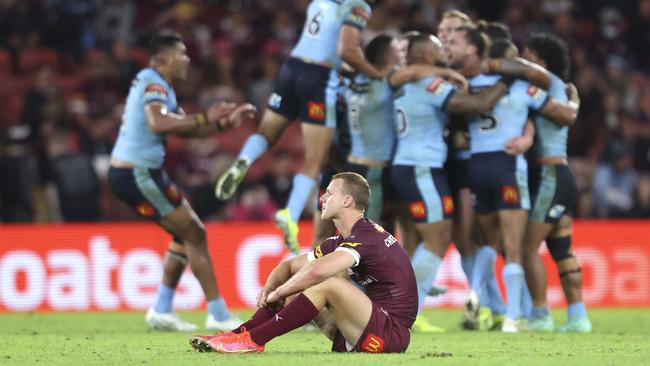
{"x":436,"y":86}
{"x":379,"y":228}
{"x":316,"y":110}
{"x":447,"y":205}
{"x":509,"y":194}
{"x":418,"y":210}
{"x":373,"y":343}
{"x":318,"y":252}
{"x":145,"y":209}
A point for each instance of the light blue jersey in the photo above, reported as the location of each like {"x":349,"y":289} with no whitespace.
{"x":136,"y":143}
{"x":371,"y":118}
{"x":491,"y":131}
{"x":550,"y":138}
{"x":421,"y":119}
{"x":320,"y":34}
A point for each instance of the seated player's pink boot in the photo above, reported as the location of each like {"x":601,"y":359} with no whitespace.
{"x":239,"y":343}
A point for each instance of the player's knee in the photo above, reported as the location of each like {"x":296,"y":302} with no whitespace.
{"x":560,"y":248}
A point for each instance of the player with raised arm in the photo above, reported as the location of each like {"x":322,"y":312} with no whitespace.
{"x":422,"y":112}
{"x":499,"y":180}
{"x":136,"y":176}
{"x":376,"y":319}
{"x":554,"y":193}
{"x":305,"y":90}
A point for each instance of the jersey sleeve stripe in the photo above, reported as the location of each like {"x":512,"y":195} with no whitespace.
{"x":352,"y":252}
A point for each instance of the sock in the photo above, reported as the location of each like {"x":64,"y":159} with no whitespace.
{"x":298,"y":313}
{"x":539,"y":312}
{"x":425,"y":265}
{"x":164,"y":299}
{"x":577,"y":310}
{"x":217,"y":307}
{"x":302,"y":186}
{"x":259,"y":318}
{"x":526,"y":301}
{"x":254,"y":147}
{"x":467,"y":263}
{"x":513,"y":276}
{"x":495,"y":298}
{"x":483,"y":264}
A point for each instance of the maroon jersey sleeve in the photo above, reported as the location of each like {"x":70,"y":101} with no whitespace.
{"x":326,"y":247}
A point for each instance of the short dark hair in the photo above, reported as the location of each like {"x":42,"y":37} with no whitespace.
{"x":494,"y":30}
{"x":356,"y":186}
{"x":375,"y":51}
{"x":553,"y":51}
{"x":499,"y":48}
{"x":474,"y":37}
{"x":162,"y":40}
{"x":419,"y":38}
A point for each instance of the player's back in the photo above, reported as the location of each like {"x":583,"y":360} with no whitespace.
{"x":136,"y":143}
{"x":550,"y":138}
{"x":491,"y":131}
{"x":420,"y":119}
{"x":320,"y":35}
{"x":371,"y":118}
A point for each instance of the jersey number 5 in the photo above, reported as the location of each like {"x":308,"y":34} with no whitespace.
{"x":313,"y":27}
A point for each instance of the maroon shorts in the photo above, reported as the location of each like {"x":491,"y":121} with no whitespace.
{"x":383,"y":334}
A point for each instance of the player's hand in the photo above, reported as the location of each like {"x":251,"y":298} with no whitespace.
{"x":274,"y":300}
{"x":457,"y":79}
{"x":261,"y":297}
{"x":237,"y":115}
{"x":218,"y":110}
{"x":518,"y":145}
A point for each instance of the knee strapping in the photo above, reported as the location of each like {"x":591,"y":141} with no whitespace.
{"x":560,"y":248}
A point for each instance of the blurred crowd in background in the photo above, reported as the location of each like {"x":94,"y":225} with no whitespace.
{"x":66,"y":66}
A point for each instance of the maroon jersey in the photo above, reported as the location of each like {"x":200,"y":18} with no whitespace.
{"x":382,"y":268}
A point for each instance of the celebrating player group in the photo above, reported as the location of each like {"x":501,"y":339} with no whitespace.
{"x":454,"y":137}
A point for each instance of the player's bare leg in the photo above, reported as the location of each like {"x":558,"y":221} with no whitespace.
{"x":408,"y":233}
{"x":570,"y":273}
{"x":536,"y":275}
{"x":426,"y":262}
{"x":317,"y":141}
{"x":512,"y":224}
{"x":269,"y":131}
{"x":183,"y":223}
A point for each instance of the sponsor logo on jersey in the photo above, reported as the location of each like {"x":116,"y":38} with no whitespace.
{"x":275,"y":101}
{"x":316,"y":110}
{"x":509,"y":194}
{"x":535,"y":92}
{"x":556,"y":211}
{"x":373,"y":343}
{"x":418,"y":210}
{"x":155,"y":91}
{"x":389,"y":241}
{"x":447,"y":205}
{"x":350,"y":244}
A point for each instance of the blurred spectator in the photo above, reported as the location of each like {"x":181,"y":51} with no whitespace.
{"x":278,"y":179}
{"x":254,"y":204}
{"x":615,"y":183}
{"x":114,"y":22}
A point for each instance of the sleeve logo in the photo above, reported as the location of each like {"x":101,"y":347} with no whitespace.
{"x":318,"y":252}
{"x":349,"y":244}
{"x":535,"y":92}
{"x":436,"y":86}
{"x":156,"y":89}
{"x":316,"y":110}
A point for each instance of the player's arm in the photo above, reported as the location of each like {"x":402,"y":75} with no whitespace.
{"x":315,"y":272}
{"x":417,"y":72}
{"x":225,"y":116}
{"x":349,"y":48}
{"x":521,"y":68}
{"x":281,"y":274}
{"x":563,"y":114}
{"x":480,"y":103}
{"x":520,"y":144}
{"x":161,"y":120}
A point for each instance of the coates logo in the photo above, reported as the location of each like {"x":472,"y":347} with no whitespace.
{"x":509,"y":194}
{"x":373,"y":343}
{"x":145,"y":209}
{"x":418,"y":210}
{"x":316,"y":110}
{"x":447,"y":205}
{"x":156,"y":89}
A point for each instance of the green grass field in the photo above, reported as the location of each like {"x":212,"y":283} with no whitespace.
{"x":621,"y":337}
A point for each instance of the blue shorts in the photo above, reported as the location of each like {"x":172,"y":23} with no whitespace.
{"x":457,"y":173}
{"x":307,"y":92}
{"x":425,"y":190}
{"x":554,"y":193}
{"x":148,"y":191}
{"x":498,"y":182}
